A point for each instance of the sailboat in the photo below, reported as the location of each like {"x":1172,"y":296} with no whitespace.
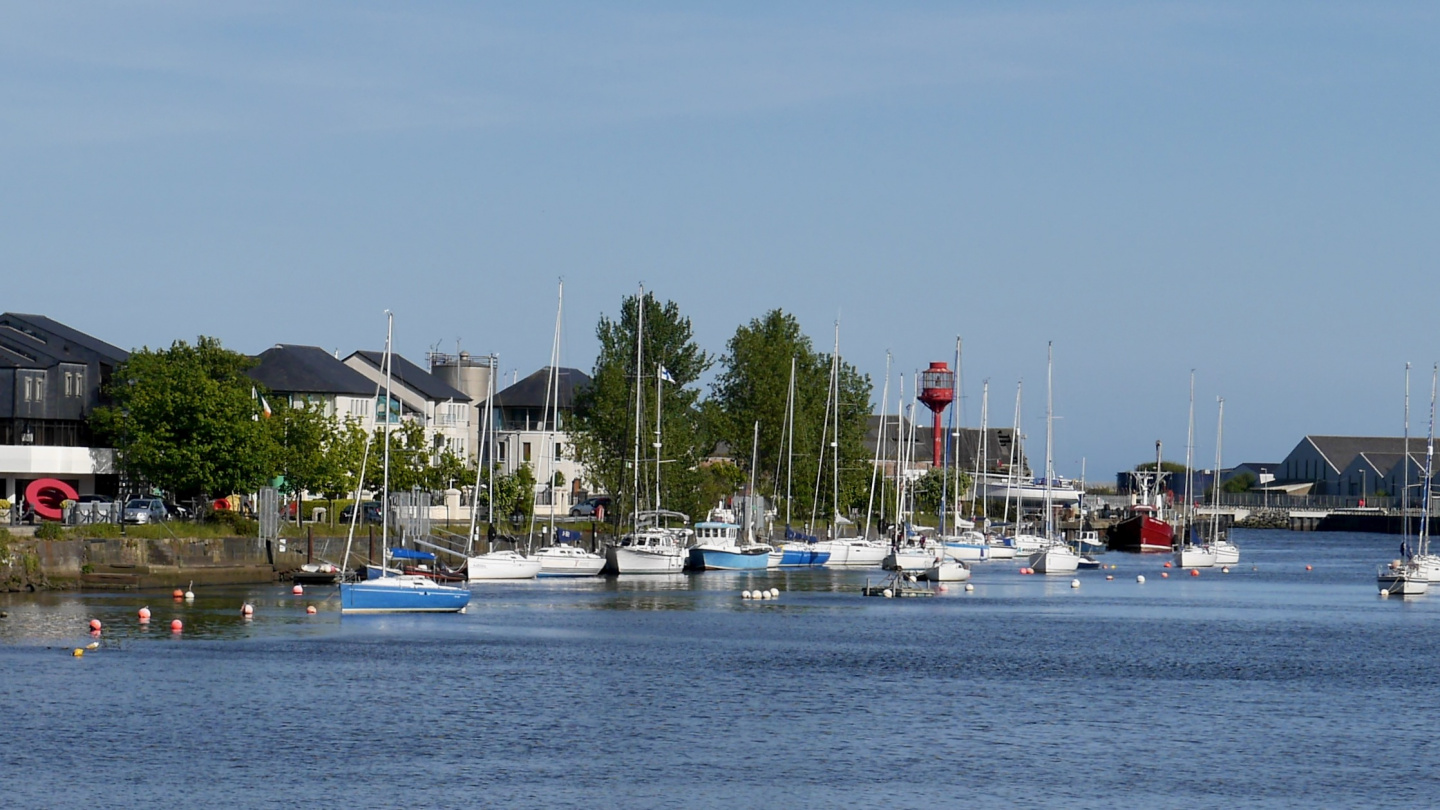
{"x":865,"y":550}
{"x":1225,"y":550}
{"x":1056,"y":557}
{"x":1189,"y":552}
{"x":962,"y":542}
{"x":651,"y":546}
{"x":391,"y":592}
{"x":493,"y":565}
{"x":1412,"y":575}
{"x":565,"y":558}
{"x":798,"y":549}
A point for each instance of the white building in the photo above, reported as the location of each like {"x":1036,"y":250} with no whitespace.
{"x":423,"y":397}
{"x":526,"y":435}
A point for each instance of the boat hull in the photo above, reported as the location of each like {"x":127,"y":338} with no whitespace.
{"x":855,"y":553}
{"x":1226,"y":553}
{"x":1142,"y":534}
{"x":721,"y":559}
{"x":947,"y":571}
{"x":501,"y":565}
{"x":909,"y":560}
{"x":385,"y":595}
{"x":1055,"y":561}
{"x":803,"y":556}
{"x":1195,"y":557}
{"x":621,"y":560}
{"x":969,"y":552}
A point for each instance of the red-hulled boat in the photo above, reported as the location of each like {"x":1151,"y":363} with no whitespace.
{"x":1142,"y":533}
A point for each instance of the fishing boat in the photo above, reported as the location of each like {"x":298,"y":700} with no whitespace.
{"x":1145,"y":530}
{"x":391,"y":592}
{"x":1056,"y":557}
{"x":718,"y":546}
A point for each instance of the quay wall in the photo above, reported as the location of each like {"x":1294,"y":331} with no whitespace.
{"x":32,"y":564}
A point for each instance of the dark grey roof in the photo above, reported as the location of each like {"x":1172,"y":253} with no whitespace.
{"x":530,"y":392}
{"x":291,"y":369}
{"x":964,"y":450}
{"x":1339,"y":451}
{"x":35,"y":341}
{"x":412,"y":376}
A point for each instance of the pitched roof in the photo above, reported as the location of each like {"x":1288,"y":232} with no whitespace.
{"x":1340,"y":451}
{"x":31,"y":341}
{"x":412,"y":376}
{"x":290,"y":369}
{"x":530,"y":392}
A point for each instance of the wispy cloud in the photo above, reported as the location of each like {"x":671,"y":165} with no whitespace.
{"x":135,"y":70}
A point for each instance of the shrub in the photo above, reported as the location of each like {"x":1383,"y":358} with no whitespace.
{"x":50,"y":530}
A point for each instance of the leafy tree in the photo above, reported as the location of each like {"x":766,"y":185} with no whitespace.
{"x":183,"y":419}
{"x":753,"y":386}
{"x":605,"y":411}
{"x":1240,"y":483}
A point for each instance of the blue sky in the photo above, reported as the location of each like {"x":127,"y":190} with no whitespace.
{"x":1243,"y":189}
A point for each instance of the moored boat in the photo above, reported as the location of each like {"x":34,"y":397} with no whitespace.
{"x":501,"y":565}
{"x":564,"y":560}
{"x":402,"y":594}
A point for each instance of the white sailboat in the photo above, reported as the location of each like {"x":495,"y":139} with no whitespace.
{"x":561,"y":559}
{"x":1412,"y":575}
{"x":1056,"y":557}
{"x":865,"y":551}
{"x":650,"y":547}
{"x":1189,"y":553}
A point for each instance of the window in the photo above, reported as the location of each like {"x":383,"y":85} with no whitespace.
{"x":29,"y":388}
{"x":525,"y":451}
{"x":69,"y":384}
{"x":559,"y":452}
{"x":39,"y":389}
{"x":501,"y":450}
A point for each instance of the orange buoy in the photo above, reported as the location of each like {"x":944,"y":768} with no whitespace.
{"x":144,"y":614}
{"x":1194,"y":572}
{"x":311,"y":610}
{"x":179,"y":594}
{"x":176,"y":626}
{"x":1167,"y":565}
{"x":95,"y":625}
{"x":1309,"y":568}
{"x":298,"y":590}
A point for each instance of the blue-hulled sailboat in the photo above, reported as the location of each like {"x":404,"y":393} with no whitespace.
{"x":391,"y":592}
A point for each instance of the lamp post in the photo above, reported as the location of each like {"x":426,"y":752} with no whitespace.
{"x":1265,"y":487}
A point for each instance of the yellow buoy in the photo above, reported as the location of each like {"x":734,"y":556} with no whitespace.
{"x":78,"y":652}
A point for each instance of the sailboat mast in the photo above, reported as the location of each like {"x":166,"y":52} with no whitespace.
{"x":790,"y":440}
{"x":1424,"y":542}
{"x":1405,"y":464}
{"x":879,"y":452}
{"x":982,"y":455}
{"x":1215,"y":487}
{"x":385,"y":476}
{"x":552,"y":409}
{"x":639,"y":364}
{"x":835,"y":437}
{"x":1012,"y":475}
{"x":1190,"y":456}
{"x":750,"y":501}
{"x":1049,"y":437}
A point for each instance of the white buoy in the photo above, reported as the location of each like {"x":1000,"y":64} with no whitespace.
{"x":774,"y":593}
{"x":1109,"y":577}
{"x":744,"y":594}
{"x":889,"y":593}
{"x":247,"y":609}
{"x":1225,"y":569}
{"x":1140,"y":579}
{"x":1074,"y":583}
{"x":189,"y":594}
{"x":1384,"y":592}
{"x":969,"y":586}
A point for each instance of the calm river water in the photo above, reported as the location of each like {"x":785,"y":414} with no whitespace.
{"x":1271,"y":686}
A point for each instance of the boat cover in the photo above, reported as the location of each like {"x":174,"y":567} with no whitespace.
{"x":410,"y":554}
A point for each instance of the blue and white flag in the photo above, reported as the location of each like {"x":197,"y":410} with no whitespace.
{"x":567,"y":535}
{"x":665,"y":375}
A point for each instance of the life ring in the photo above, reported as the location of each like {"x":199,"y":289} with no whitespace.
{"x":222,"y":505}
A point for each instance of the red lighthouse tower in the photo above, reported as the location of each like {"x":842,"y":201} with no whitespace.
{"x":937,"y":390}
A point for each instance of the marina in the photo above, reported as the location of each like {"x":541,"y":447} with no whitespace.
{"x":1297,"y":653}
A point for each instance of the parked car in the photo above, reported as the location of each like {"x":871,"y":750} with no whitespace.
{"x":178,"y":511}
{"x":590,"y":507}
{"x":371,"y":513}
{"x":144,"y":510}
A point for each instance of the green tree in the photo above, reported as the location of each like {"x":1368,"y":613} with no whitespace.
{"x":1240,"y":483}
{"x":184,"y":420}
{"x":753,"y":386}
{"x":604,"y":427}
